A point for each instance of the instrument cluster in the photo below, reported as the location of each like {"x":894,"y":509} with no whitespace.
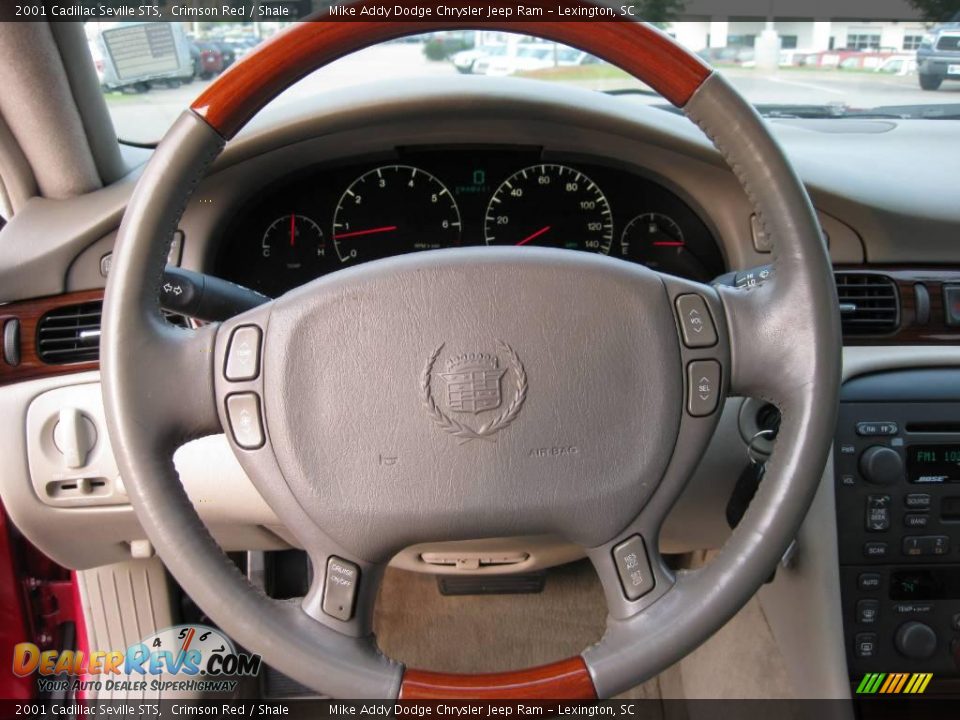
{"x":329,"y":218}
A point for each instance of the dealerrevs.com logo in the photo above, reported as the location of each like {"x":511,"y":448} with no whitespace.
{"x":200,"y":656}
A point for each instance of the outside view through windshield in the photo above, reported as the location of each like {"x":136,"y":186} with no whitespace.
{"x":788,"y":69}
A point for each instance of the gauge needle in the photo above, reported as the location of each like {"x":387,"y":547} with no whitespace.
{"x":668,"y":243}
{"x":534,"y":236}
{"x":371,"y":231}
{"x":293,"y":229}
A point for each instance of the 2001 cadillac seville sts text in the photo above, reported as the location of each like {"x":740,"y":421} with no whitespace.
{"x":461,"y":364}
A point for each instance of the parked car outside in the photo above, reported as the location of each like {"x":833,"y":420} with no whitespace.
{"x":938,"y":57}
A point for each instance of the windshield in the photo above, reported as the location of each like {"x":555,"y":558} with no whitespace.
{"x":787,"y":69}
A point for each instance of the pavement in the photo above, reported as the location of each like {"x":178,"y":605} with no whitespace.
{"x":144,"y":117}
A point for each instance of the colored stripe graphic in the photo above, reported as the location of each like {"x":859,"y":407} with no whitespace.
{"x":894,"y":683}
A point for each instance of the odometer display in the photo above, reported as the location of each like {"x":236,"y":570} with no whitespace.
{"x":551,"y":205}
{"x":393,"y":210}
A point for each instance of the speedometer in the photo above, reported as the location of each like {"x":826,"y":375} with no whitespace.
{"x":392,"y":210}
{"x":553,"y":205}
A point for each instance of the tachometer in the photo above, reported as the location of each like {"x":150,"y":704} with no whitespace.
{"x":552,"y":205}
{"x":392,"y":210}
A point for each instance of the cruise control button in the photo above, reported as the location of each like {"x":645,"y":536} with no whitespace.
{"x":340,"y":588}
{"x":703,"y":383}
{"x":243,"y":354}
{"x":696,"y":325}
{"x":636,"y":578}
{"x":243,"y":412}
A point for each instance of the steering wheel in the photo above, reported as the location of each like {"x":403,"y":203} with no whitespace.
{"x":473,"y":392}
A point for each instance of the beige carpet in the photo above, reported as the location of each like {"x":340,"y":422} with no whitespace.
{"x":420,"y":627}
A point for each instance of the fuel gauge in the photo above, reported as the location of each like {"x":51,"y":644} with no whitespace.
{"x":656,"y":240}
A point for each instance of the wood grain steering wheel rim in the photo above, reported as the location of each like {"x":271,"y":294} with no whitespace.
{"x":797,"y":369}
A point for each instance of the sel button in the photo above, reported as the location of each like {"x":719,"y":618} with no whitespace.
{"x":243,"y":356}
{"x":703,"y":383}
{"x":243,"y":412}
{"x":696,"y":325}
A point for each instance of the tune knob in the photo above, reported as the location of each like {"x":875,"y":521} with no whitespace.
{"x":880,"y":465}
{"x":916,"y":641}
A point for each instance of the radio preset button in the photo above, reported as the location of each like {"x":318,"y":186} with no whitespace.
{"x":926,"y":545}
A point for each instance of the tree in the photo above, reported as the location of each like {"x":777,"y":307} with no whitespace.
{"x":938,"y":10}
{"x":660,"y":12}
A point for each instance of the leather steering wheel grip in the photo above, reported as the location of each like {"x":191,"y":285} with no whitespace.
{"x":154,"y":376}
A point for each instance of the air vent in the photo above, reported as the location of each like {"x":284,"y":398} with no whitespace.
{"x":869,"y":304}
{"x":70,"y":334}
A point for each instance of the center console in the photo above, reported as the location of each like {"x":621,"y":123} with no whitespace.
{"x":897,"y":457}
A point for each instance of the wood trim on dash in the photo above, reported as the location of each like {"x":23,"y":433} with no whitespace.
{"x":29,"y":313}
{"x":911,"y":332}
{"x":565,"y":680}
{"x":639,"y":49}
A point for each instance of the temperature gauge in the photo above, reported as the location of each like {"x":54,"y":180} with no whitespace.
{"x":293,"y":250}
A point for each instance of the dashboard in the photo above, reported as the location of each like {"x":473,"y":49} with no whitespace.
{"x":325,"y":218}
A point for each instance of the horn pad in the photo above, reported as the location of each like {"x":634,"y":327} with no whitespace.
{"x":472,"y":393}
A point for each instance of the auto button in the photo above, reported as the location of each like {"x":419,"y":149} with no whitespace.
{"x":243,"y":412}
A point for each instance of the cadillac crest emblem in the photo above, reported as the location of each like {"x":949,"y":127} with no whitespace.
{"x":473,"y":386}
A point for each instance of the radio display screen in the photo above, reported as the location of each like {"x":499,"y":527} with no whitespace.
{"x":933,"y":463}
{"x":933,"y":584}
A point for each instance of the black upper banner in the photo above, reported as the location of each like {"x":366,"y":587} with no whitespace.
{"x":468,"y":11}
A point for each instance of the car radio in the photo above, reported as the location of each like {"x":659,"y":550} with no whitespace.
{"x":897,"y":467}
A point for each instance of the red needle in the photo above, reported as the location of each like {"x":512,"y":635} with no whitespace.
{"x":371,"y":231}
{"x":293,"y":229}
{"x":534,"y":236}
{"x":668,"y":243}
